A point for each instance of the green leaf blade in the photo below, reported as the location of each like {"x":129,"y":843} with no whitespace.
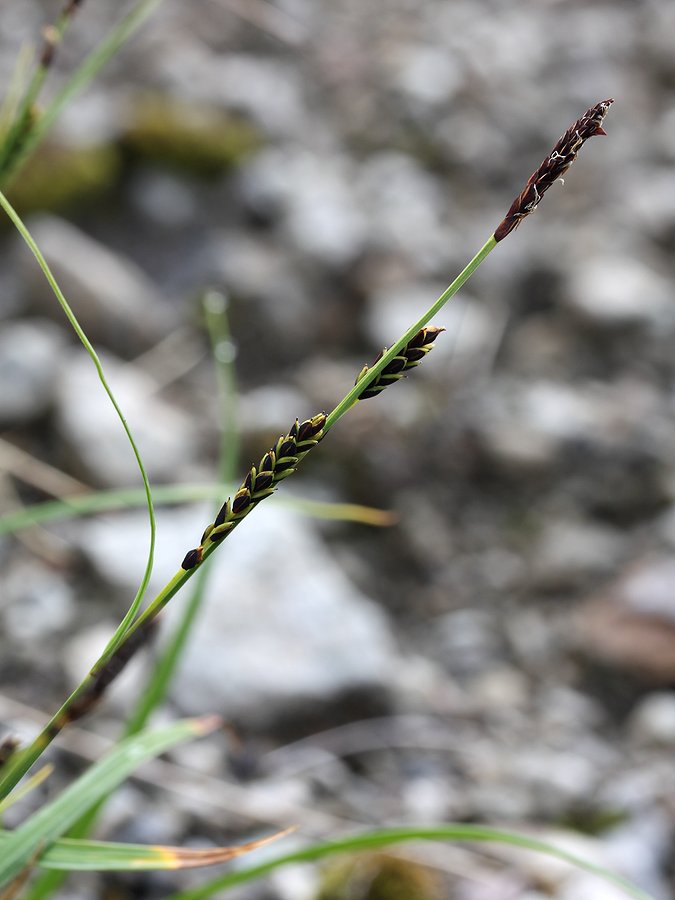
{"x":50,"y":822}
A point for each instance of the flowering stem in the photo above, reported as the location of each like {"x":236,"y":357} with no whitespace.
{"x":373,"y":371}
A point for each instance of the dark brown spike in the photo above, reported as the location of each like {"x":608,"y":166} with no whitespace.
{"x":248,"y":481}
{"x":267,"y":462}
{"x":554,"y":166}
{"x":102,"y":679}
{"x":293,"y":433}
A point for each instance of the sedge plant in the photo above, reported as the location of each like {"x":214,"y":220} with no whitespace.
{"x":42,"y":841}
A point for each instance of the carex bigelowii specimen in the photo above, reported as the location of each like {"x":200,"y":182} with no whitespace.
{"x":284,"y":457}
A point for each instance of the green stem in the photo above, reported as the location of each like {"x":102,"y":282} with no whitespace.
{"x":373,"y":371}
{"x":25,"y":759}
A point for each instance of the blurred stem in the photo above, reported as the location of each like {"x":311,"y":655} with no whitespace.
{"x":78,"y":505}
{"x":23,"y":121}
{"x":218,"y":327}
{"x":217,"y":324}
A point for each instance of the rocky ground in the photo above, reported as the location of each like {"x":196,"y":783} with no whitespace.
{"x":505,"y":653}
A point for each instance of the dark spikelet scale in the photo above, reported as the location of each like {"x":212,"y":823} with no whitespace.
{"x":242,"y":500}
{"x":286,"y":447}
{"x":264,"y":481}
{"x":554,"y":166}
{"x":223,"y":513}
{"x":192,"y":558}
{"x":414,"y":355}
{"x":267,"y":463}
{"x":408,"y":357}
{"x":398,"y":364}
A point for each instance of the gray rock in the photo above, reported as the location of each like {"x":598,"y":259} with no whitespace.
{"x":278,"y":307}
{"x":522,"y":426}
{"x":89,"y":426}
{"x":114,"y":301}
{"x":619,"y":291}
{"x":631,"y":624}
{"x":468,"y":641}
{"x":281,"y":625}
{"x":36,"y":602}
{"x":653,"y":720}
{"x":268,"y":90}
{"x":406,"y":211}
{"x":314,"y":194}
{"x":163,"y":199}
{"x":568,"y":552}
{"x":31,"y":353}
{"x":471,"y":330}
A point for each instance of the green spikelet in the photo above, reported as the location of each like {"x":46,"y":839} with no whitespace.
{"x":408,"y":357}
{"x":278,"y":463}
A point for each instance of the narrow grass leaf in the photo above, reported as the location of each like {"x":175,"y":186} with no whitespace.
{"x":391,"y":836}
{"x":78,"y":505}
{"x":52,"y":820}
{"x":31,"y":783}
{"x":69,"y":855}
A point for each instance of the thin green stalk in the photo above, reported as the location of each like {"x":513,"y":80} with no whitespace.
{"x":373,"y":371}
{"x":23,"y":760}
{"x":87,"y":71}
{"x":115,"y":499}
{"x":217,"y":324}
{"x":391,"y":836}
{"x":164,"y":667}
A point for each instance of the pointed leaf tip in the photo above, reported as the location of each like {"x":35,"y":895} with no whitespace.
{"x":207,"y":724}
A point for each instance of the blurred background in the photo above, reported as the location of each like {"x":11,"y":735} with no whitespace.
{"x":504,"y":653}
